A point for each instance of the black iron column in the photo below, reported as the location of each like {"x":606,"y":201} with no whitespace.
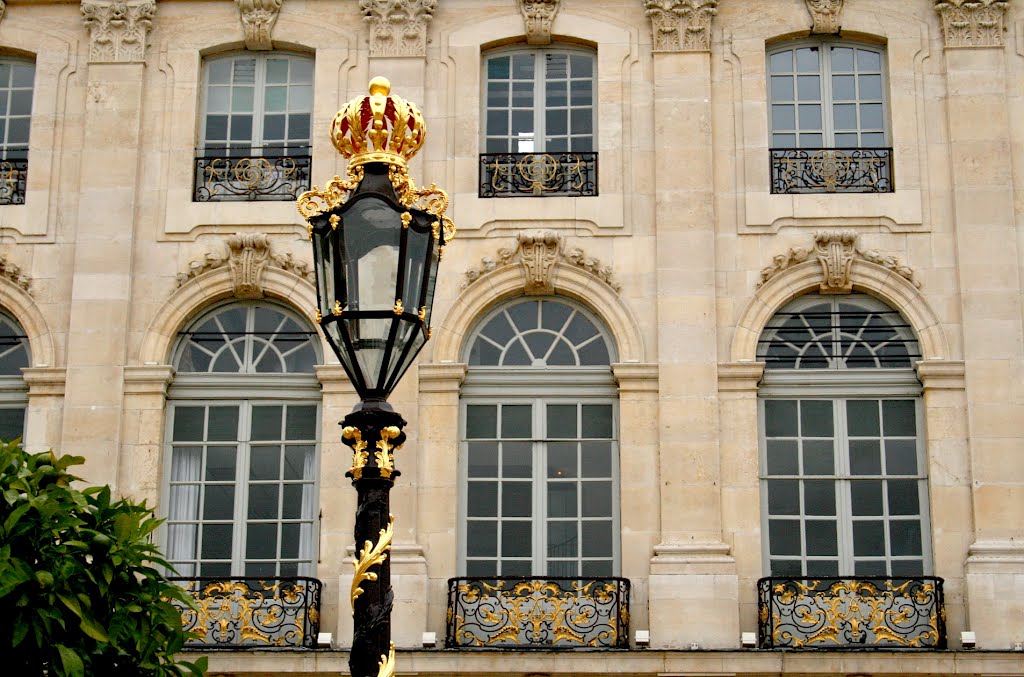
{"x":373,"y":431}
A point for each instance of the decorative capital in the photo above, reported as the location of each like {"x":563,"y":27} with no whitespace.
{"x":681,"y":25}
{"x":398,"y":27}
{"x":539,"y":252}
{"x":826,"y":15}
{"x":117,"y":29}
{"x":258,"y":18}
{"x":972,"y":23}
{"x":247,"y":256}
{"x":538,"y":16}
{"x":836,"y":252}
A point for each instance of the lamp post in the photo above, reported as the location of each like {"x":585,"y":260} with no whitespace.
{"x":377,"y":242}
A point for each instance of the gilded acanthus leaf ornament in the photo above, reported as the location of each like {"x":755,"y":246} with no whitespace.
{"x":826,"y":15}
{"x":681,"y":25}
{"x":118,"y":29}
{"x":836,"y":252}
{"x":371,"y":555}
{"x":258,"y":18}
{"x":398,"y":27}
{"x":538,"y":16}
{"x":359,"y":454}
{"x":972,"y":23}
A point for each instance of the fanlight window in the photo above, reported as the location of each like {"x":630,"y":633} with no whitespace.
{"x":14,"y":356}
{"x":539,"y":334}
{"x":849,"y":332}
{"x":256,"y":339}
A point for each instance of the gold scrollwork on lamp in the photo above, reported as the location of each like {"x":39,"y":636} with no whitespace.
{"x":385,"y":459}
{"x":359,"y":454}
{"x":369,"y":556}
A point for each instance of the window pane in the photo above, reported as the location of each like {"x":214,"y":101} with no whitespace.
{"x":497,"y":95}
{"x":819,"y":497}
{"x":581,"y":122}
{"x":556,"y":123}
{"x":188,"y":423}
{"x":582,"y":94}
{"x":482,"y":499}
{"x":807,"y":59}
{"x":784,"y":537}
{"x":809,"y":87}
{"x":562,"y":499}
{"x":844,"y":88}
{"x":842,"y":59}
{"x":868,"y":60}
{"x":596,"y":459}
{"x":786,"y":567}
{"x":523,"y":66}
{"x":498,"y":67}
{"x":277,"y":70}
{"x":481,"y":539}
{"x":562,"y":459}
{"x":865,"y":457}
{"x":265,"y":462}
{"x":782,"y":88}
{"x":901,"y":457}
{"x":781,"y":62}
{"x":899,"y":418}
{"x":481,"y":421}
{"x":871,"y":116}
{"x":516,"y":539}
{"x":780,"y":418}
{"x":266,"y":423}
{"x":516,"y":459}
{"x":582,"y":65}
{"x":522,"y":94}
{"x":515,"y":421}
{"x":905,"y":537}
{"x":216,"y":541}
{"x":862,"y":418}
{"x":219,"y":502}
{"x":562,"y":539}
{"x":562,"y":421}
{"x":866,"y":497}
{"x":261,"y":541}
{"x":821,"y":537}
{"x":844,"y":115}
{"x":782,"y":457}
{"x":497,"y":122}
{"x":783,"y":117}
{"x":597,"y":421}
{"x":818,"y":457}
{"x":220,"y":464}
{"x":263,"y":501}
{"x":597,"y":499}
{"x":903,"y":497}
{"x":597,"y":539}
{"x":870,"y":87}
{"x":784,"y":497}
{"x":816,"y":418}
{"x":516,"y":499}
{"x":292,"y":499}
{"x":300,"y":423}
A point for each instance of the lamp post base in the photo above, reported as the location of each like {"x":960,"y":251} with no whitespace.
{"x":373,"y":431}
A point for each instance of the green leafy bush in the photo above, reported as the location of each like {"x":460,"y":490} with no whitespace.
{"x":80,"y":593}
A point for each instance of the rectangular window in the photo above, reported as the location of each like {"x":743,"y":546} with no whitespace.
{"x":16,"y":86}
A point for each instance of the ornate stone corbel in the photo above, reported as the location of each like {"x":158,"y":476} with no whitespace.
{"x":681,"y":25}
{"x":398,"y":27}
{"x":14,"y":273}
{"x":247,"y":255}
{"x":539,"y":253}
{"x":538,"y":16}
{"x":972,"y":23}
{"x":258,"y":18}
{"x":118,"y":29}
{"x":826,"y":15}
{"x":835,"y":252}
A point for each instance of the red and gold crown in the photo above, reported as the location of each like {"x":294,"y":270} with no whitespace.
{"x":379,"y":127}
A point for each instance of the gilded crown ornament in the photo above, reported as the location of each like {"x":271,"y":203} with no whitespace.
{"x":379,"y":127}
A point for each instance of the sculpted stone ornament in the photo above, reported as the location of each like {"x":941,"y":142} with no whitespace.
{"x":258,"y":18}
{"x":835,"y":251}
{"x":398,"y":27}
{"x":247,"y":255}
{"x":538,"y":15}
{"x":972,"y":23}
{"x":539,"y":254}
{"x":3,"y":9}
{"x":681,"y":25}
{"x":14,"y":273}
{"x":826,"y":15}
{"x":118,"y":29}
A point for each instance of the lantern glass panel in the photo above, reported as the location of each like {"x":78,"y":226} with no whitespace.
{"x":416,"y":251}
{"x":323,"y":255}
{"x":409,"y":339}
{"x":371,"y":240}
{"x":435,"y":261}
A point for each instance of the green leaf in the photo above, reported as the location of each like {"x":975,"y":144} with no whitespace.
{"x":93,"y":629}
{"x":71,"y":603}
{"x":71,"y":661}
{"x":16,"y":515}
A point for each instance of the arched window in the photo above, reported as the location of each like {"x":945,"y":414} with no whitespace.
{"x":14,"y":356}
{"x":255,"y":136}
{"x":843,"y":471}
{"x":539,"y":453}
{"x":243,"y":416}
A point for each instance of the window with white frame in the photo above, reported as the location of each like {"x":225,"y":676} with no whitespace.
{"x":17,"y":77}
{"x":243,"y":416}
{"x":827,"y":94}
{"x":843,"y":471}
{"x":539,"y":100}
{"x":14,"y":356}
{"x":539,"y":458}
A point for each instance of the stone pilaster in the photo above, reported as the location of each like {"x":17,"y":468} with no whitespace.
{"x":972,"y":23}
{"x":992,"y":303}
{"x":691,"y":563}
{"x":118,"y":29}
{"x":145,"y":405}
{"x":45,"y":407}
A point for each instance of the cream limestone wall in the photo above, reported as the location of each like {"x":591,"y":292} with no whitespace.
{"x":673,"y":251}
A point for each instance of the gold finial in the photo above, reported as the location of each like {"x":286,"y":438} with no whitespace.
{"x":380,"y":86}
{"x":399,"y":308}
{"x":336,"y":310}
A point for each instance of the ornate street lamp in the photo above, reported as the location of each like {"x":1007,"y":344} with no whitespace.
{"x":377,"y":242}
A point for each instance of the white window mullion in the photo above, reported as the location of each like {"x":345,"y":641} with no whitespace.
{"x":540,"y":486}
{"x":241,"y":490}
{"x":827,"y":123}
{"x":844,"y":499}
{"x":540,"y":143}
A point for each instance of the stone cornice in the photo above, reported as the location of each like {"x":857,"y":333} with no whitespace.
{"x":45,"y":381}
{"x":398,"y":27}
{"x":972,"y":23}
{"x":334,"y":379}
{"x":118,"y":29}
{"x":942,"y":374}
{"x":681,"y":25}
{"x":148,"y":379}
{"x":636,"y":377}
{"x":739,"y":376}
{"x":442,"y":378}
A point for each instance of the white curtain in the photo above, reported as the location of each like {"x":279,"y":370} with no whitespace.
{"x":182,"y":530}
{"x":308,"y":512}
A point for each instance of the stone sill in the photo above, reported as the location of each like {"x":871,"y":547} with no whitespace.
{"x":654,"y":662}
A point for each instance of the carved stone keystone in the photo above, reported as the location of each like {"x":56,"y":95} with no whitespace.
{"x":538,"y":15}
{"x":118,"y":29}
{"x":539,"y":252}
{"x":398,"y":27}
{"x":247,"y":256}
{"x":826,"y":15}
{"x":258,"y":18}
{"x":972,"y":23}
{"x":681,"y":25}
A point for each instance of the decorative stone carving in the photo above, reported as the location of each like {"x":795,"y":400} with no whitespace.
{"x":538,"y":15}
{"x":972,"y":23}
{"x":14,"y":273}
{"x":826,"y":15}
{"x":258,"y":18}
{"x":835,"y":251}
{"x":247,"y":255}
{"x":398,"y":27}
{"x":118,"y":29}
{"x":681,"y":25}
{"x":540,"y":252}
{"x":3,"y":9}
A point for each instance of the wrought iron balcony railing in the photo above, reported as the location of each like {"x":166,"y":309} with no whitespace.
{"x":234,"y":613}
{"x":852,"y":613}
{"x":13,"y":172}
{"x":831,"y":170}
{"x":251,"y":174}
{"x":538,"y":613}
{"x":538,"y":174}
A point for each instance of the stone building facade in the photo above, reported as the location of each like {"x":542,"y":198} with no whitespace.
{"x":736,"y":293}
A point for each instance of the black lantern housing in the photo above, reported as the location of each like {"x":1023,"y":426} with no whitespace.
{"x":376,"y":266}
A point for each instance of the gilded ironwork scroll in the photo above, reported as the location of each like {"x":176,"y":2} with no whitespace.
{"x":223,"y":177}
{"x":826,"y":613}
{"x":538,"y":613}
{"x":13,"y":173}
{"x":831,"y":170}
{"x":245,"y":612}
{"x":538,"y":174}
